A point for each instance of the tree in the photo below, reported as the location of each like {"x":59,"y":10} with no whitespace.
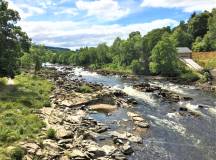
{"x":37,"y":55}
{"x":198,"y":24}
{"x":13,"y":41}
{"x":102,"y":54}
{"x":208,"y":42}
{"x":148,"y":43}
{"x":136,"y":67}
{"x":181,"y":39}
{"x":164,"y":58}
{"x":212,"y":30}
{"x":26,"y":60}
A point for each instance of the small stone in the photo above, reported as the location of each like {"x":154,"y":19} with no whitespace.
{"x":117,"y":140}
{"x":142,"y":124}
{"x":127,"y":149}
{"x":77,"y":153}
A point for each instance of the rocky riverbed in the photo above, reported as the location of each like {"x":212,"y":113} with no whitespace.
{"x":106,"y":117}
{"x":78,"y":136}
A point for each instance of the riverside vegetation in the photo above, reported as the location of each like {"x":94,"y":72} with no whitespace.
{"x":18,"y":105}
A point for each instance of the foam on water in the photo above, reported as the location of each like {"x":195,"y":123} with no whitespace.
{"x":181,"y":89}
{"x":80,"y":71}
{"x":165,"y":123}
{"x":147,"y":97}
{"x":212,"y":111}
{"x":192,"y":107}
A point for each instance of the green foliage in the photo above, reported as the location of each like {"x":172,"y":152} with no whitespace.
{"x":13,"y":41}
{"x":3,"y":81}
{"x":137,"y":67}
{"x":164,"y":58}
{"x":180,"y":38}
{"x":198,"y":33}
{"x":148,"y":43}
{"x":17,"y":153}
{"x":26,"y":60}
{"x":198,"y":24}
{"x":37,"y":55}
{"x":189,"y":76}
{"x":17,"y":106}
{"x":51,"y":133}
{"x":211,"y":35}
{"x":85,"y":89}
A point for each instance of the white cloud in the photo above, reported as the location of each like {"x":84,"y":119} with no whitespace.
{"x":79,"y":34}
{"x":69,"y":11}
{"x":103,"y":9}
{"x":186,"y":5}
{"x":25,"y":10}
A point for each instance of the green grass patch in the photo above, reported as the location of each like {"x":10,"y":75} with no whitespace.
{"x":189,"y":76}
{"x":3,"y":81}
{"x":85,"y":89}
{"x":51,"y":133}
{"x":18,"y":104}
{"x":114,"y":68}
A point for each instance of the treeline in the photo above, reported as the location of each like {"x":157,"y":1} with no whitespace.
{"x":153,"y":53}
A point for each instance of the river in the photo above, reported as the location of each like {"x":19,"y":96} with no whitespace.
{"x":171,"y":136}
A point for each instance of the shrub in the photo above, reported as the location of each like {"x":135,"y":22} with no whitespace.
{"x":51,"y":133}
{"x":85,"y":89}
{"x":17,"y":153}
{"x":47,"y":104}
{"x":189,"y":76}
{"x":136,"y":67}
{"x":3,"y":81}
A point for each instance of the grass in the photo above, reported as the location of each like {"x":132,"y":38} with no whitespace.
{"x":51,"y":133}
{"x":114,"y":68}
{"x":205,"y":59}
{"x":3,"y":81}
{"x":18,"y":104}
{"x":85,"y":89}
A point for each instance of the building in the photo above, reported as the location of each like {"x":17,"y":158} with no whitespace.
{"x":184,"y":52}
{"x":185,"y":55}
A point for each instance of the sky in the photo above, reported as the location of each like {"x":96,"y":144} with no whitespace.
{"x":80,"y":23}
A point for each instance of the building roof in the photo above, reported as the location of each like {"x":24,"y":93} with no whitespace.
{"x":183,"y":50}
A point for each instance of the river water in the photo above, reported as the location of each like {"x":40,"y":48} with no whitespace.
{"x":171,"y":136}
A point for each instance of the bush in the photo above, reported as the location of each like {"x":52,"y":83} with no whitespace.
{"x":206,"y":76}
{"x":136,"y":67}
{"x":3,"y":81}
{"x":51,"y":133}
{"x":189,"y":76}
{"x":85,"y":89}
{"x":47,"y":104}
{"x":17,"y":153}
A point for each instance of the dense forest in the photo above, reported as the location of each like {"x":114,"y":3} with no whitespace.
{"x":154,"y":53}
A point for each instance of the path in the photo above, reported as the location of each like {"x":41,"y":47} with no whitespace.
{"x":10,"y":82}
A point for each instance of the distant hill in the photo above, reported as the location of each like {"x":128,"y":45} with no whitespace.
{"x":57,"y":49}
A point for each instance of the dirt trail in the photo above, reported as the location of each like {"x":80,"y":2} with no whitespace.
{"x":10,"y":82}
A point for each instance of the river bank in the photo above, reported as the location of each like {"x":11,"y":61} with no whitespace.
{"x":194,"y":79}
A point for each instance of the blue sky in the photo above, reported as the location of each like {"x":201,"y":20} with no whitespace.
{"x":79,"y":23}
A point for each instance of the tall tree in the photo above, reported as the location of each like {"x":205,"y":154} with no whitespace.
{"x":212,"y":29}
{"x":180,"y":38}
{"x":102,"y":54}
{"x":148,"y":43}
{"x":13,"y":41}
{"x":164,"y":58}
{"x":198,"y":24}
{"x":37,"y":55}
